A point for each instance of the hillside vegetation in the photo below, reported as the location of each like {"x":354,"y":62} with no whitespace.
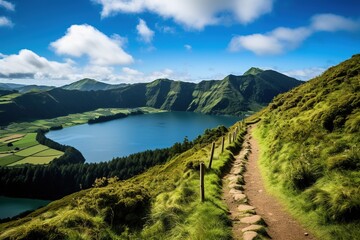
{"x":87,"y":84}
{"x":233,"y":95}
{"x":311,"y":154}
{"x":162,"y":203}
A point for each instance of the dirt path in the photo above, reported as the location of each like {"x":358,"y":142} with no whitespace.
{"x":269,"y":219}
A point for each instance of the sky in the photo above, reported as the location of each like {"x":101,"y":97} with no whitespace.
{"x":55,"y":42}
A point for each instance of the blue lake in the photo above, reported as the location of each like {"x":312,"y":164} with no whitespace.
{"x":121,"y":137}
{"x":10,"y":207}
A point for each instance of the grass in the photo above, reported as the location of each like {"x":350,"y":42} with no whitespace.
{"x":11,"y":137}
{"x":32,"y":150}
{"x":25,"y":149}
{"x":35,"y":160}
{"x":48,"y":152}
{"x":10,"y":159}
{"x":162,"y":203}
{"x":310,"y":151}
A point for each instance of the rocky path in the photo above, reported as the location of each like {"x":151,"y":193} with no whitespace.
{"x":255,"y":213}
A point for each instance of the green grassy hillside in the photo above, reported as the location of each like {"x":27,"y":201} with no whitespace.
{"x":162,"y":203}
{"x":232,"y":95}
{"x":87,"y":84}
{"x":311,"y":154}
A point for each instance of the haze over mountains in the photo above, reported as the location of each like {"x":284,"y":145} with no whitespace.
{"x":232,"y":95}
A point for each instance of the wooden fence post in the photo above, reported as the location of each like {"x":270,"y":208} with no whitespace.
{"x":212,"y":154}
{"x":202,"y":189}
{"x":222,"y":144}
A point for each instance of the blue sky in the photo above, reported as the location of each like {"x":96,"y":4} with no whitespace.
{"x":56,"y":42}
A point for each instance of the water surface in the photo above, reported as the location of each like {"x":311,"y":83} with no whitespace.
{"x":121,"y":137}
{"x":10,"y":207}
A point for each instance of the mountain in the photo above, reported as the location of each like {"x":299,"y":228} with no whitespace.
{"x":91,"y":85}
{"x":310,"y":137}
{"x":253,"y":71}
{"x":233,"y":95}
{"x":24,"y":88}
{"x":34,"y":88}
{"x":10,"y":86}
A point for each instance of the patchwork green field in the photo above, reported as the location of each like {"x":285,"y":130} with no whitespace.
{"x":16,"y":149}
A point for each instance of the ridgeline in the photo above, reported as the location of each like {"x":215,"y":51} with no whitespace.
{"x":233,"y":95}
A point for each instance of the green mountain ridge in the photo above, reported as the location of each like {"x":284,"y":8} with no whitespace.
{"x":88,"y":84}
{"x":253,"y":71}
{"x":233,"y":95}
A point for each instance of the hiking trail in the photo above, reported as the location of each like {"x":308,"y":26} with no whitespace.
{"x":253,"y":211}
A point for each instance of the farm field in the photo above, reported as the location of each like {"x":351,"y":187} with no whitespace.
{"x":16,"y":149}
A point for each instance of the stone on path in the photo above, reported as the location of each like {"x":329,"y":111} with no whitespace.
{"x":239,"y":197}
{"x":250,"y":235}
{"x":235,"y":191}
{"x":245,"y":208}
{"x":251,"y":220}
{"x":254,"y":227}
{"x":236,"y":186}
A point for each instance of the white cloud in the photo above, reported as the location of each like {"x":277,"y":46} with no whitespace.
{"x":29,"y":68}
{"x":165,"y":29}
{"x":333,"y":23}
{"x":132,"y":72}
{"x":248,"y":10}
{"x":28,"y":64}
{"x":306,"y":73}
{"x":5,"y":22}
{"x":130,"y":75}
{"x":188,"y":47}
{"x":145,"y":33}
{"x":81,"y":40}
{"x":284,"y":39}
{"x":2,"y":55}
{"x":194,"y":14}
{"x":166,"y":73}
{"x":7,"y":5}
{"x":274,"y":42}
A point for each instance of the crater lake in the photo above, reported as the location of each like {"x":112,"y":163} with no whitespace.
{"x":117,"y":138}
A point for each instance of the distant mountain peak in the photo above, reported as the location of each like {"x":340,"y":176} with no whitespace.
{"x":253,"y":71}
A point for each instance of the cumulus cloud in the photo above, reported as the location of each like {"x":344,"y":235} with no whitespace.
{"x":195,"y":14}
{"x":306,"y":73}
{"x":284,"y":39}
{"x":28,"y":64}
{"x":274,"y":42}
{"x":145,"y":33}
{"x":7,"y":5}
{"x":5,"y":22}
{"x":333,"y":23}
{"x":130,"y":75}
{"x":81,"y":40}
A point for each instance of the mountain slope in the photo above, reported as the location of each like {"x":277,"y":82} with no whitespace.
{"x":162,"y":203}
{"x":90,"y":85}
{"x":311,"y":138}
{"x":232,"y":95}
